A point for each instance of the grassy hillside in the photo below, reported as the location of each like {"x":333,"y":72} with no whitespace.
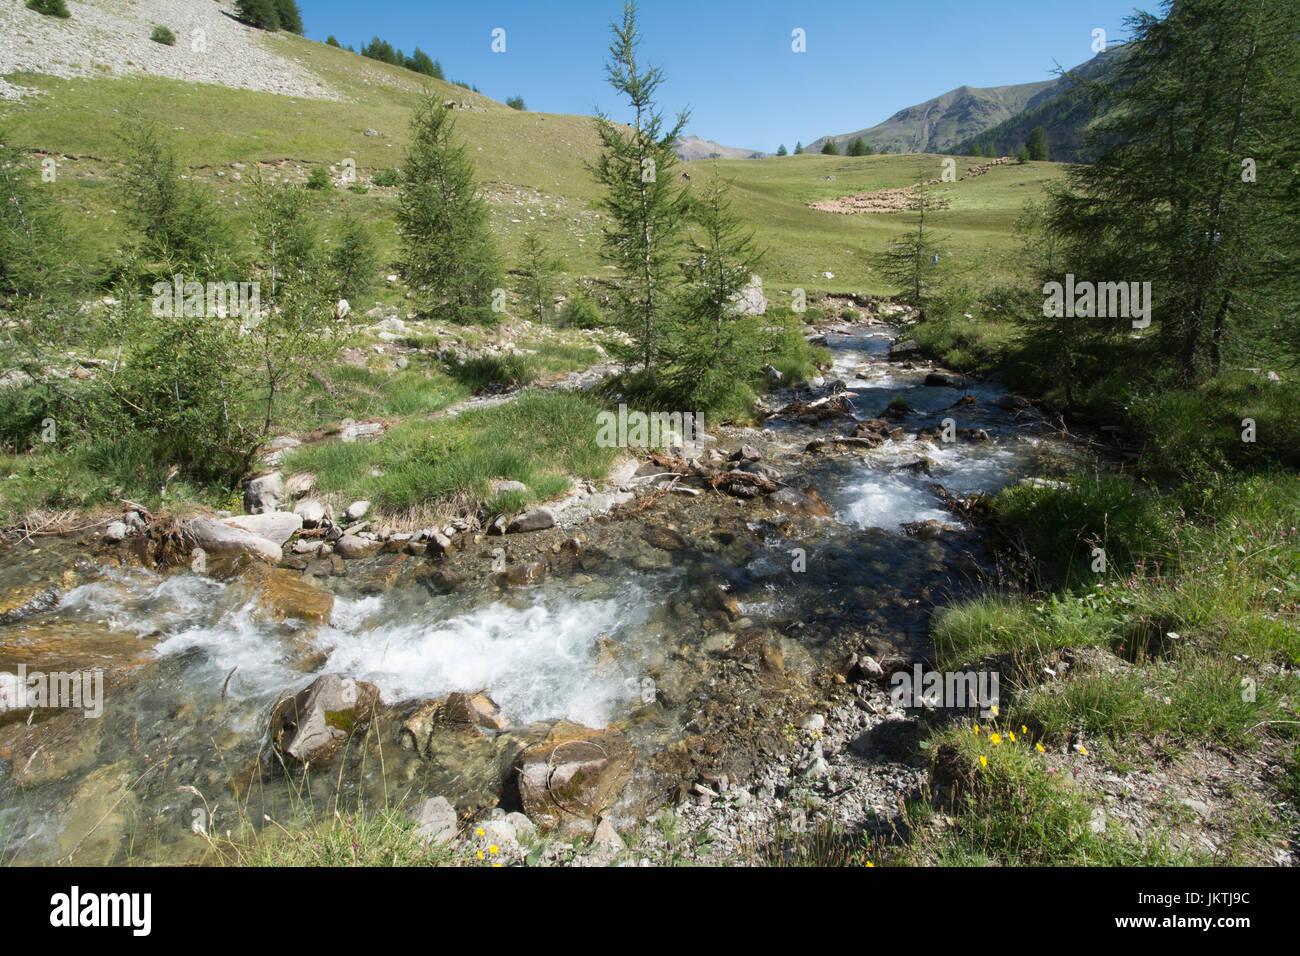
{"x":531,"y":165}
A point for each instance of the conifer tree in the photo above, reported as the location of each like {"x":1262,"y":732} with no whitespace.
{"x":641,"y":198}
{"x":448,"y":255}
{"x":713,"y":352}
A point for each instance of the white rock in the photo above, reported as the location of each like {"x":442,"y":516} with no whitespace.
{"x":217,"y":538}
{"x":435,"y":821}
{"x":277,"y":526}
{"x":357,"y":510}
{"x":311,"y":511}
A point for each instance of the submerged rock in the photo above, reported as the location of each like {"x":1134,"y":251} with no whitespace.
{"x":575,"y":774}
{"x":792,"y":501}
{"x":477,"y":709}
{"x":285,"y":594}
{"x":313,"y":725}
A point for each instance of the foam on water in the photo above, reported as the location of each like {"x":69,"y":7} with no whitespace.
{"x":888,"y":501}
{"x":537,"y":662}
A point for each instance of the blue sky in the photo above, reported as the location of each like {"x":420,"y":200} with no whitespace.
{"x":731,"y":61}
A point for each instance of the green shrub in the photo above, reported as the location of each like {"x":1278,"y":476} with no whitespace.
{"x":51,"y":8}
{"x":386,"y":177}
{"x":488,"y":371}
{"x":352,"y":263}
{"x":579,"y":312}
{"x":163,"y":35}
{"x":319,"y":178}
{"x":1060,"y":526}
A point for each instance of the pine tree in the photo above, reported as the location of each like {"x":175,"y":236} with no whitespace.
{"x":1193,"y":186}
{"x":420,"y":62}
{"x":858,"y":147}
{"x":641,"y":199}
{"x":780,"y":150}
{"x":289,"y":15}
{"x":352,"y":263}
{"x":537,"y":272}
{"x":447,"y":251}
{"x":909,"y":262}
{"x":1037,"y":145}
{"x":713,"y":354}
{"x":289,"y":336}
{"x":332,"y":40}
{"x":175,"y":222}
{"x":258,"y":13}
{"x":798,"y":149}
{"x":830,"y":148}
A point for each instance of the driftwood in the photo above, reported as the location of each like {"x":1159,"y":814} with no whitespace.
{"x":727,"y":478}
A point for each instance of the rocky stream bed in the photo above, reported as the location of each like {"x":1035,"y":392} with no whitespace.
{"x":709,"y":631}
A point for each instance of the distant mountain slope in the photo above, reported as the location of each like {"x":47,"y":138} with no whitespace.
{"x":692,"y":147}
{"x":937,"y":124}
{"x":1064,"y":115}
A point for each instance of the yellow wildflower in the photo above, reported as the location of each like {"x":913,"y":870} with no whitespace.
{"x":984,"y":761}
{"x":995,"y":739}
{"x":1040,"y":748}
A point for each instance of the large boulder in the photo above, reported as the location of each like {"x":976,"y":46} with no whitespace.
{"x":311,"y":511}
{"x":214,"y":537}
{"x":277,"y":526}
{"x":264,"y":493}
{"x":574,"y":775}
{"x":313,"y":725}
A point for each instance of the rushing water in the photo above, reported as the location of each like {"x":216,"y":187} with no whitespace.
{"x":580,"y":645}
